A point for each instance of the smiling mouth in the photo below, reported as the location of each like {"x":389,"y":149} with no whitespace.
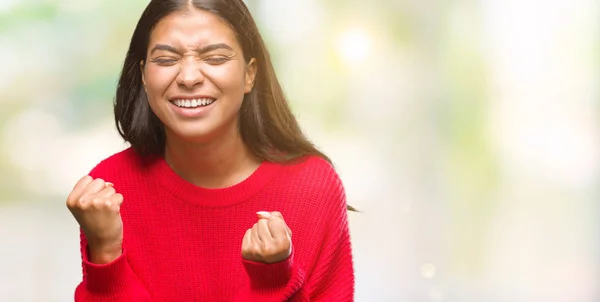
{"x":192,"y":103}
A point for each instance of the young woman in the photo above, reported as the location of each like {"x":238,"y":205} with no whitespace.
{"x":194,"y":209}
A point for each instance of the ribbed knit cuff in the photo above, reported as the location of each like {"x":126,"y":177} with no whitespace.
{"x":109,"y":278}
{"x":269,"y":275}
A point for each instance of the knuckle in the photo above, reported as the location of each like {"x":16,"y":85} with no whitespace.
{"x":266,"y":249}
{"x":283,"y":243}
{"x":85,"y":180}
{"x":81,"y":201}
{"x":279,"y":241}
{"x":98,"y":181}
{"x":278,"y":219}
{"x":70,"y":202}
{"x":253,"y":252}
{"x":73,"y":205}
{"x":98,"y":202}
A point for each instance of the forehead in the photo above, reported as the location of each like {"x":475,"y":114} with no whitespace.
{"x":192,"y":28}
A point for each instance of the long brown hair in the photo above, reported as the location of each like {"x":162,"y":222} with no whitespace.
{"x":266,"y":122}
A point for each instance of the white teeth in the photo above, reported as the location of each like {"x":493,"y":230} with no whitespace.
{"x":193,"y":103}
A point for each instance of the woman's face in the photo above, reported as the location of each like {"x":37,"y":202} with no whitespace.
{"x":195,"y":75}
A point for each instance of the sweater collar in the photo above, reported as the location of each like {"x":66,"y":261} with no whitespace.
{"x":160,"y":170}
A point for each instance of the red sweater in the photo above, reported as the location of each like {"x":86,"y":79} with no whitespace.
{"x":183,"y":243}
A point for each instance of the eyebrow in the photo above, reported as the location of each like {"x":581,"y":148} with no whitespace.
{"x":202,"y":50}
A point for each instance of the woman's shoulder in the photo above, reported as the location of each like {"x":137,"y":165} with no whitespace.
{"x":312,"y":165}
{"x":123,"y":161}
{"x":314,"y":186}
{"x":314,"y":173}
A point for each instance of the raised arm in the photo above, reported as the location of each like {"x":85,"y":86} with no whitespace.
{"x":269,"y":259}
{"x":107,"y":275}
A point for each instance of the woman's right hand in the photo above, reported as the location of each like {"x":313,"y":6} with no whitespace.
{"x":95,"y":205}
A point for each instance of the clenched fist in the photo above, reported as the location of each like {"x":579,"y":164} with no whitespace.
{"x":95,"y":205}
{"x":269,"y":240}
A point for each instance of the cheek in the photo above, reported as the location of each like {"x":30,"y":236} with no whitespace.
{"x":229,"y":78}
{"x":158,"y":80}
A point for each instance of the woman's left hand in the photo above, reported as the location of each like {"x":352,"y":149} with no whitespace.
{"x":269,"y":240}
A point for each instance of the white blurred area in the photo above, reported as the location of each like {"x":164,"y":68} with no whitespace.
{"x":467,"y":133}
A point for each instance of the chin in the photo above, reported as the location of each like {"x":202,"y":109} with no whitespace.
{"x":194,"y":136}
{"x":203,"y":130}
{"x":194,"y":133}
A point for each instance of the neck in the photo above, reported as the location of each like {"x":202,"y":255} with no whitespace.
{"x":221,"y":163}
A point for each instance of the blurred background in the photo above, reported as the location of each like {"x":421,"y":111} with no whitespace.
{"x":467,"y":132}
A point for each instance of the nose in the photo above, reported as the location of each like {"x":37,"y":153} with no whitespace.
{"x":190,"y":74}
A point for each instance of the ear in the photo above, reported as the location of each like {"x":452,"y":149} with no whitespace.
{"x":251,"y":70}
{"x":143,"y":76}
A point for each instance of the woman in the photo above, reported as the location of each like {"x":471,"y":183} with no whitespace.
{"x":194,"y":210}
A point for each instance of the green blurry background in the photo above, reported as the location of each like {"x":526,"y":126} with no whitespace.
{"x":466,"y":131}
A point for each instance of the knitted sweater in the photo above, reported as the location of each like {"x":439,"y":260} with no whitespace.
{"x":183,"y":243}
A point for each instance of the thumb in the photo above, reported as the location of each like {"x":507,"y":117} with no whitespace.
{"x":278,"y":215}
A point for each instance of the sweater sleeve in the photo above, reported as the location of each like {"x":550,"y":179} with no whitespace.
{"x":332,"y":278}
{"x":271,"y":282}
{"x":114,"y":281}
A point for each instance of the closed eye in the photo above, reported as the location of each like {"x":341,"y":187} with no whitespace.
{"x":216,"y":60}
{"x":164,"y":61}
